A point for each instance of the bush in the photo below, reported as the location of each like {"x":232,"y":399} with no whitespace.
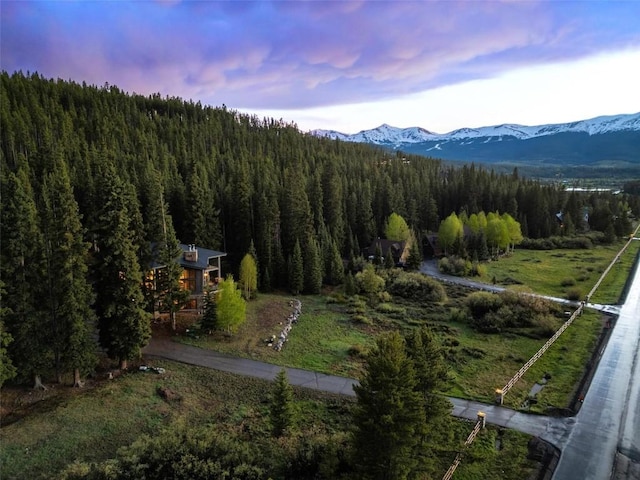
{"x":546,"y":325}
{"x":390,"y":308}
{"x":551,"y":243}
{"x":456,"y":266}
{"x":458,"y":315}
{"x":416,"y":286}
{"x":568,"y":282}
{"x":478,"y":269}
{"x":362,"y":319}
{"x":481,"y":303}
{"x":574,"y":294}
{"x":357,"y":351}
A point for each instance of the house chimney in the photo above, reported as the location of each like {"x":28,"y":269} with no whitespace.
{"x":191,"y":255}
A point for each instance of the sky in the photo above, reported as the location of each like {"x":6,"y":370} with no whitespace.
{"x":345,"y":65}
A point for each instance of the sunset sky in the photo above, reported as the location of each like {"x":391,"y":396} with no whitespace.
{"x":346,"y":65}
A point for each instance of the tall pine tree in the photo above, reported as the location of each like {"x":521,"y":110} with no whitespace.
{"x":69,"y":295}
{"x":123,"y":322}
{"x":389,"y":416}
{"x":22,"y":270}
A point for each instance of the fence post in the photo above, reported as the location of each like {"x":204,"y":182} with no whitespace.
{"x":482,"y":419}
{"x":499,"y":396}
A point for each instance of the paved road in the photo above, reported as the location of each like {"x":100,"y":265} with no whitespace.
{"x":165,"y":348}
{"x":551,"y":429}
{"x":607,"y":428}
{"x":604,"y":434}
{"x":430,"y":268}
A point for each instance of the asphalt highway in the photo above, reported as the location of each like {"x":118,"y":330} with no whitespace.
{"x":606,"y":435}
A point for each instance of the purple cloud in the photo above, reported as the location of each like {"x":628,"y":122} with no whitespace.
{"x":302,"y":54}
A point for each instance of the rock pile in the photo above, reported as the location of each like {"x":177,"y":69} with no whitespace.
{"x":278,"y":343}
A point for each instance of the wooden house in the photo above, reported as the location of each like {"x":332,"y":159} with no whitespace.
{"x":202,"y":269}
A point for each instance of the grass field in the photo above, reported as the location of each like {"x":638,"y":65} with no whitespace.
{"x":92,"y":424}
{"x":320,"y":341}
{"x":609,"y":291}
{"x":327,"y":339}
{"x":551,"y":272}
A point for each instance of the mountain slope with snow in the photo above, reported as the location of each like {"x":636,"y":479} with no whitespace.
{"x":614,"y":138}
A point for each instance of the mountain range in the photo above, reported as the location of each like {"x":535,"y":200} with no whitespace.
{"x":601,"y":142}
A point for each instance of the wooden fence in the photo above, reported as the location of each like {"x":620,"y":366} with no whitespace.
{"x":476,"y":429}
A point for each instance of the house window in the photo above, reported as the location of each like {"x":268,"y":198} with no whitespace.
{"x":188,"y":279}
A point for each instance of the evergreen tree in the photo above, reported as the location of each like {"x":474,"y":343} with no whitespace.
{"x":201,"y":222}
{"x":414,"y":260}
{"x":312,"y":267}
{"x":389,"y":418}
{"x":377,"y":257}
{"x":295,"y":211}
{"x":350,"y":284}
{"x":296,"y":270}
{"x":22,"y":268}
{"x":431,"y":369}
{"x":209,"y":320}
{"x":248,"y":276}
{"x":388,"y":259}
{"x":123,"y":323}
{"x":7,"y":370}
{"x":335,"y":266}
{"x":281,"y":407}
{"x":431,"y":376}
{"x":231,"y":308}
{"x":69,"y":296}
{"x":170,"y":294}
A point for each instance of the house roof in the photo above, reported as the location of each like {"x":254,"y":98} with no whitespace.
{"x":203,"y":257}
{"x":385,"y":244}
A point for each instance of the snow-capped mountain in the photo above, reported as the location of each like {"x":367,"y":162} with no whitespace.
{"x":601,"y":139}
{"x":388,"y":135}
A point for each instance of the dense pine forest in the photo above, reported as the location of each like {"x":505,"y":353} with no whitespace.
{"x":92,"y":175}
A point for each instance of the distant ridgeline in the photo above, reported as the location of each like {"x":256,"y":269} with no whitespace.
{"x":233,"y":182}
{"x":602,"y":146}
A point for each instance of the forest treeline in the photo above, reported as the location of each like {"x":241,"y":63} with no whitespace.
{"x":91,"y":175}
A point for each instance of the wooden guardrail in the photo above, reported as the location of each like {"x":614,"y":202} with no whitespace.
{"x":480,"y":423}
{"x":615,"y":260}
{"x":500,"y":393}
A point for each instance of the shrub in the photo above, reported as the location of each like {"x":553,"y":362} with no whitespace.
{"x":454,"y":266}
{"x":574,"y":294}
{"x":478,"y":269}
{"x":357,"y":351}
{"x":458,"y":315}
{"x":389,"y":308}
{"x":362,"y":319}
{"x":416,"y":286}
{"x":546,"y":325}
{"x":481,"y":303}
{"x":568,"y":282}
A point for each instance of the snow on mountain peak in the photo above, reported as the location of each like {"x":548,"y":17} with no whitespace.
{"x":387,"y":135}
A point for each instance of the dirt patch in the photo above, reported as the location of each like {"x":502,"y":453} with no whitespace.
{"x":167,"y":394}
{"x":17,"y":402}
{"x":271,"y":314}
{"x":161,"y":324}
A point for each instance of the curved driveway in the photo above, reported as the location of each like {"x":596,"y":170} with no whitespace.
{"x":554,"y":430}
{"x":605,"y":434}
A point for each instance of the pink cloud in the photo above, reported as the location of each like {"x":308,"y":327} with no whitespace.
{"x":297,"y":54}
